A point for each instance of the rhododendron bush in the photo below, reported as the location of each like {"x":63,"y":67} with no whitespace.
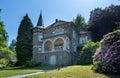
{"x":107,"y":57}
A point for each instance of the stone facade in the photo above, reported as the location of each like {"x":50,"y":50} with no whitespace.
{"x":58,"y":43}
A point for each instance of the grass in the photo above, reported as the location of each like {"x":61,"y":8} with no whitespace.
{"x":11,"y":71}
{"x":74,"y":72}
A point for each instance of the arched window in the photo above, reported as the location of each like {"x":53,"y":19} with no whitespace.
{"x":39,"y":37}
{"x":48,"y":46}
{"x":58,"y":44}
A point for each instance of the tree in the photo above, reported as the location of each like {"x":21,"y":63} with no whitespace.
{"x":87,"y":52}
{"x":79,"y":22}
{"x":3,"y":34}
{"x":2,"y":38}
{"x":5,"y":52}
{"x":13,"y":45}
{"x":24,"y":41}
{"x":103,"y":21}
{"x":107,"y":57}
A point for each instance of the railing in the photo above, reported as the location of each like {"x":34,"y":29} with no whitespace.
{"x":58,"y":48}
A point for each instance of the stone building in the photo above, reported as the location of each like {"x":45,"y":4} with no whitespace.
{"x":58,"y":43}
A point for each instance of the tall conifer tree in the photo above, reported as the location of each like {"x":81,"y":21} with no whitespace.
{"x":79,"y":22}
{"x":24,"y":41}
{"x":3,"y":34}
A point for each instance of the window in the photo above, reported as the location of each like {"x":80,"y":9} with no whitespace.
{"x":39,"y":49}
{"x":39,"y":38}
{"x":45,"y":57}
{"x":48,"y":46}
{"x":74,"y":48}
{"x":67,"y":44}
{"x":83,"y":39}
{"x":74,"y":35}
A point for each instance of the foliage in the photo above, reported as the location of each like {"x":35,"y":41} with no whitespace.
{"x":12,"y":45}
{"x":32,"y":63}
{"x":3,"y":63}
{"x":5,"y":52}
{"x":108,"y":55}
{"x":103,"y":21}
{"x":79,"y":22}
{"x":76,"y":71}
{"x":3,"y":34}
{"x":97,"y":66}
{"x":24,"y":41}
{"x":87,"y":52}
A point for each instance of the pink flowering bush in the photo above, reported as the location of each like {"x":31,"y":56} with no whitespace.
{"x":107,"y":57}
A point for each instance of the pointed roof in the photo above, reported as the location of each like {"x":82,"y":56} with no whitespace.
{"x":40,"y":20}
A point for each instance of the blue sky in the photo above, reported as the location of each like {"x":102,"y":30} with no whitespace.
{"x":14,"y":10}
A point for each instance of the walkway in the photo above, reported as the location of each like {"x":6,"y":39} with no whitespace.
{"x":25,"y":75}
{"x":30,"y":74}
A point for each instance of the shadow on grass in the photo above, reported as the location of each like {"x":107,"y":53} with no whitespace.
{"x":112,"y":75}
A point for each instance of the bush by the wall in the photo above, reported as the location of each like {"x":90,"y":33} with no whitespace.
{"x":108,"y":55}
{"x":87,"y":52}
{"x":32,"y":63}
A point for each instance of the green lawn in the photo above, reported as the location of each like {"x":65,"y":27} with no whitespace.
{"x":11,"y":71}
{"x":73,"y":72}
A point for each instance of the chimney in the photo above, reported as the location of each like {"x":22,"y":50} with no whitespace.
{"x":56,"y":20}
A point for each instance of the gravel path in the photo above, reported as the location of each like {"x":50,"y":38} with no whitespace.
{"x":30,"y":74}
{"x":25,"y":75}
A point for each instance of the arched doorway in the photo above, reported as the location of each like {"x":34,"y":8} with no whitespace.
{"x":53,"y":60}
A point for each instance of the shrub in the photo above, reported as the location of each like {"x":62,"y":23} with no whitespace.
{"x":32,"y":63}
{"x":3,"y":63}
{"x":87,"y":52}
{"x":108,"y":55}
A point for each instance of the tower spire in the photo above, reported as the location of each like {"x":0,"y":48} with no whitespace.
{"x":40,"y":20}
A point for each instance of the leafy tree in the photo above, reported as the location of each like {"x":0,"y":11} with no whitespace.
{"x":24,"y":41}
{"x":5,"y":52}
{"x":87,"y":52}
{"x":79,"y":22}
{"x":103,"y":21}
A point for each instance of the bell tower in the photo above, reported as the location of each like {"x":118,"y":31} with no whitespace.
{"x":40,"y":21}
{"x":37,"y":37}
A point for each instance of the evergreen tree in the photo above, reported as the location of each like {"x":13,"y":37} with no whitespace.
{"x":3,"y":34}
{"x":12,"y":45}
{"x":79,"y":22}
{"x":2,"y":38}
{"x":24,"y":41}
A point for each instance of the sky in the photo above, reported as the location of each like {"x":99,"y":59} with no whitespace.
{"x":14,"y":10}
